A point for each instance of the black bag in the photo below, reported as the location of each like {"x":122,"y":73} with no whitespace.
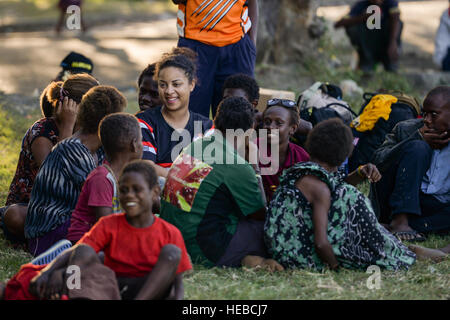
{"x":316,"y":115}
{"x":369,"y":141}
{"x":328,"y":105}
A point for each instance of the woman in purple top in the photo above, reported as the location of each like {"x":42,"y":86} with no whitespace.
{"x":282,"y":115}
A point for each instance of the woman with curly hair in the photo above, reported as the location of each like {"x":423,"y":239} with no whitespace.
{"x":168,"y":128}
{"x":61,"y":176}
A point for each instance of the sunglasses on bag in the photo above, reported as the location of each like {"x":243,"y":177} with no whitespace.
{"x":281,"y":102}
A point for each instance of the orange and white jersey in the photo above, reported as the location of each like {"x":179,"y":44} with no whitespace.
{"x":214,"y":22}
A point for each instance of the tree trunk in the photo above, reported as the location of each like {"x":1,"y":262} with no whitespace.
{"x":285,"y":30}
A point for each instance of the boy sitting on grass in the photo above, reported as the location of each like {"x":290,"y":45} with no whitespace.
{"x":121,"y":139}
{"x":147,"y":254}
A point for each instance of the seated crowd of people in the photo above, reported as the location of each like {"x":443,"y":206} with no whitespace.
{"x":136,"y":200}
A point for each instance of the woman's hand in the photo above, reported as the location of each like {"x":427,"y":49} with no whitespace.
{"x":369,"y":171}
{"x":66,"y":115}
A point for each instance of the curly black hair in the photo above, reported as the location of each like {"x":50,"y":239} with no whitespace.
{"x":294,"y":113}
{"x":182,"y":58}
{"x":330,"y":141}
{"x":244,"y":82}
{"x":149,"y":71}
{"x":98,"y":102}
{"x":74,"y":87}
{"x":234,"y":113}
{"x":47,"y":107}
{"x":117,"y":131}
{"x":144,"y":168}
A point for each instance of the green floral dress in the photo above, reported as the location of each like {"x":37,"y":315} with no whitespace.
{"x":358,"y":240}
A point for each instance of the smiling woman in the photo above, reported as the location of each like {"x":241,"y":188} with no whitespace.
{"x":161,"y":126}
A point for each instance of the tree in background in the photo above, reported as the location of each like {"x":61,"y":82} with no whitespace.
{"x":288,"y":30}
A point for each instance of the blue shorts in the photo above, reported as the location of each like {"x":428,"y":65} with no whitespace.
{"x":215,"y":64}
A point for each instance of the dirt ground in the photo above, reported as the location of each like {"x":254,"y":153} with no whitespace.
{"x":28,"y":60}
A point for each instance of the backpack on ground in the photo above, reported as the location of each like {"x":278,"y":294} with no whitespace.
{"x":324,"y":101}
{"x":405,"y":108}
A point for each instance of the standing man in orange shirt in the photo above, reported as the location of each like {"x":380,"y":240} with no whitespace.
{"x":223,"y":34}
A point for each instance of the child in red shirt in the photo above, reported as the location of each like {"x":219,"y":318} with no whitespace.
{"x":121,"y":139}
{"x":147,"y":254}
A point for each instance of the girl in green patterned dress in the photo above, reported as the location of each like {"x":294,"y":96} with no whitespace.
{"x":316,"y":219}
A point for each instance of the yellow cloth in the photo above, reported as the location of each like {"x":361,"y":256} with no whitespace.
{"x":378,"y":107}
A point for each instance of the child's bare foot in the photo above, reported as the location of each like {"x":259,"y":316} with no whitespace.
{"x":259,"y":262}
{"x":2,"y":290}
{"x":426,"y":253}
{"x":446,"y":249}
{"x":272,"y":265}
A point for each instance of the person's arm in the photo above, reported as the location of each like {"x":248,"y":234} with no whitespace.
{"x":50,"y":283}
{"x":40,"y":285}
{"x":318,"y":194}
{"x":440,"y":43}
{"x":394,"y":22}
{"x":40,"y":149}
{"x":260,"y":182}
{"x":435,"y":139}
{"x":349,"y":21}
{"x":260,"y":214}
{"x":368,"y":171}
{"x":392,"y":146}
{"x":160,"y":171}
{"x":66,"y":116}
{"x":102,"y":212}
{"x":253,"y":13}
{"x":179,"y":287}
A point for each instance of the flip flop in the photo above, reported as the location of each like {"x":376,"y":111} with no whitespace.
{"x":410,"y":236}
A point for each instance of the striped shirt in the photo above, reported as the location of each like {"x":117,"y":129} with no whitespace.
{"x":213,"y":22}
{"x":58,"y":185}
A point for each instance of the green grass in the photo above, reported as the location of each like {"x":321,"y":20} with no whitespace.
{"x":425,"y":280}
